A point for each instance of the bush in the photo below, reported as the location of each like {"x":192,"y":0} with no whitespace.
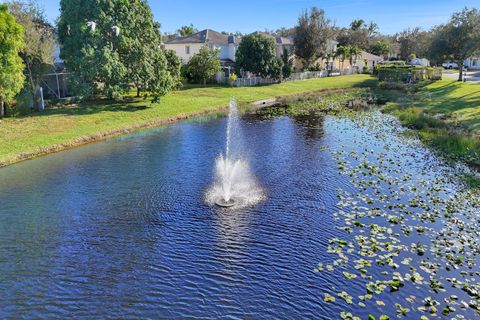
{"x":22,"y":105}
{"x":393,"y":73}
{"x":392,"y":86}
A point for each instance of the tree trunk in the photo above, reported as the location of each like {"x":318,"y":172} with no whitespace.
{"x":204,"y":82}
{"x":138,"y":92}
{"x":460,"y":72}
{"x":2,"y":107}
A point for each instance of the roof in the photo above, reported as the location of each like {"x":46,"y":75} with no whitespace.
{"x":205,"y":36}
{"x":278,"y":40}
{"x":370,"y":57}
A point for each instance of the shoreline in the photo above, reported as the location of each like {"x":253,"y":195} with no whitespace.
{"x":102,"y":136}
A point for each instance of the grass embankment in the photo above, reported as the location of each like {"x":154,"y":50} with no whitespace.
{"x":446,"y":115}
{"x":61,"y":128}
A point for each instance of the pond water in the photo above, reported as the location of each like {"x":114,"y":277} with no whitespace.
{"x":353,"y":211}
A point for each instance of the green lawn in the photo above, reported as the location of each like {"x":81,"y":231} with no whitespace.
{"x":446,"y":115}
{"x":59,"y":128}
{"x":458,"y":101}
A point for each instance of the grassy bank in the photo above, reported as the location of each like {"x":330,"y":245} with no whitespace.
{"x":446,"y":116}
{"x":64,"y":127}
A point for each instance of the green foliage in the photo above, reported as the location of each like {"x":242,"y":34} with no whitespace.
{"x":385,"y":85}
{"x":11,"y":68}
{"x":380,"y":48}
{"x":257,"y":54}
{"x":174,"y":66}
{"x":185,"y":31}
{"x":399,"y":73}
{"x":413,"y":41}
{"x":358,"y":35}
{"x":287,"y":68}
{"x":458,"y":39}
{"x":312,"y":34}
{"x":39,"y":39}
{"x":204,"y":65}
{"x":109,"y":44}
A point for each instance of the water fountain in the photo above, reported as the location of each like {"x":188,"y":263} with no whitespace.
{"x":234,"y":184}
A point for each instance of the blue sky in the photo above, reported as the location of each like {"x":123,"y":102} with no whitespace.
{"x":252,"y":15}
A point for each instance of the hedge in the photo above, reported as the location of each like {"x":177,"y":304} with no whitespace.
{"x":405,"y":73}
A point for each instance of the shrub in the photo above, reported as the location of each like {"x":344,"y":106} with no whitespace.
{"x":22,"y":105}
{"x":393,"y":73}
{"x":392,"y":86}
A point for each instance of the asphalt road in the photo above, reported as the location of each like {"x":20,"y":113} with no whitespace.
{"x":472,"y":76}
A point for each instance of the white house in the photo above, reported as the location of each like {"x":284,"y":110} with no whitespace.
{"x":187,"y":47}
{"x":473,"y":63}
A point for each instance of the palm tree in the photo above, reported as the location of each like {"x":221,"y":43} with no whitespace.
{"x":354,"y":52}
{"x":343,"y":54}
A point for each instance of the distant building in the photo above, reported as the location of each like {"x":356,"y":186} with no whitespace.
{"x":187,"y":47}
{"x":473,"y":63}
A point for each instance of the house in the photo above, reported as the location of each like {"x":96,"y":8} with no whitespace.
{"x":473,"y":63}
{"x":360,"y":61}
{"x":187,"y":47}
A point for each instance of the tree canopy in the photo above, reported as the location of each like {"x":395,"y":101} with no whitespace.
{"x":11,"y":68}
{"x":257,"y":54}
{"x":204,"y":65}
{"x":380,"y":48}
{"x":187,"y":30}
{"x":109,"y":44}
{"x":458,"y":39}
{"x":40,"y":40}
{"x":312,"y":34}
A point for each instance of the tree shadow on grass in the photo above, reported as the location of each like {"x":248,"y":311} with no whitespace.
{"x":446,"y":100}
{"x":94,"y":107}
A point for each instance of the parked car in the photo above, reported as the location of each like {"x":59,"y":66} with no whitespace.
{"x":450,"y":65}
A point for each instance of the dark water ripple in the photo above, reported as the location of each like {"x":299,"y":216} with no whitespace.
{"x":120,"y":229}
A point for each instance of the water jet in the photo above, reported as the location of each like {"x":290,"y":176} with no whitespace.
{"x":234,"y":184}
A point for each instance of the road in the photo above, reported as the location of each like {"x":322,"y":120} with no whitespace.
{"x":472,"y":76}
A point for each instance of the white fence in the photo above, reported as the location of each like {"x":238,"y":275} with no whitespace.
{"x":255,"y":81}
{"x":307,"y":75}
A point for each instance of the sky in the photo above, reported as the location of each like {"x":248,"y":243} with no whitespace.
{"x":253,"y":15}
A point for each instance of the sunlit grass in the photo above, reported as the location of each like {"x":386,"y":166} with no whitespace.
{"x":59,"y":128}
{"x":446,"y":115}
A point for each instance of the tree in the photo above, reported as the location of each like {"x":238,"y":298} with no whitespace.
{"x":39,"y":39}
{"x":343,"y":53}
{"x":204,"y":65}
{"x":353,"y":53}
{"x":380,"y":48}
{"x":257,"y":54}
{"x":109,"y":44}
{"x":311,"y":36}
{"x":11,"y":67}
{"x":413,"y":41}
{"x":185,"y":31}
{"x":458,"y":39}
{"x":174,"y":66}
{"x":287,"y":68}
{"x":357,"y":24}
{"x":358,"y":35}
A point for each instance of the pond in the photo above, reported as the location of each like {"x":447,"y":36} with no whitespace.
{"x":357,"y":219}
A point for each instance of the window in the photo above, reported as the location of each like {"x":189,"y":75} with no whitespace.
{"x":187,"y":49}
